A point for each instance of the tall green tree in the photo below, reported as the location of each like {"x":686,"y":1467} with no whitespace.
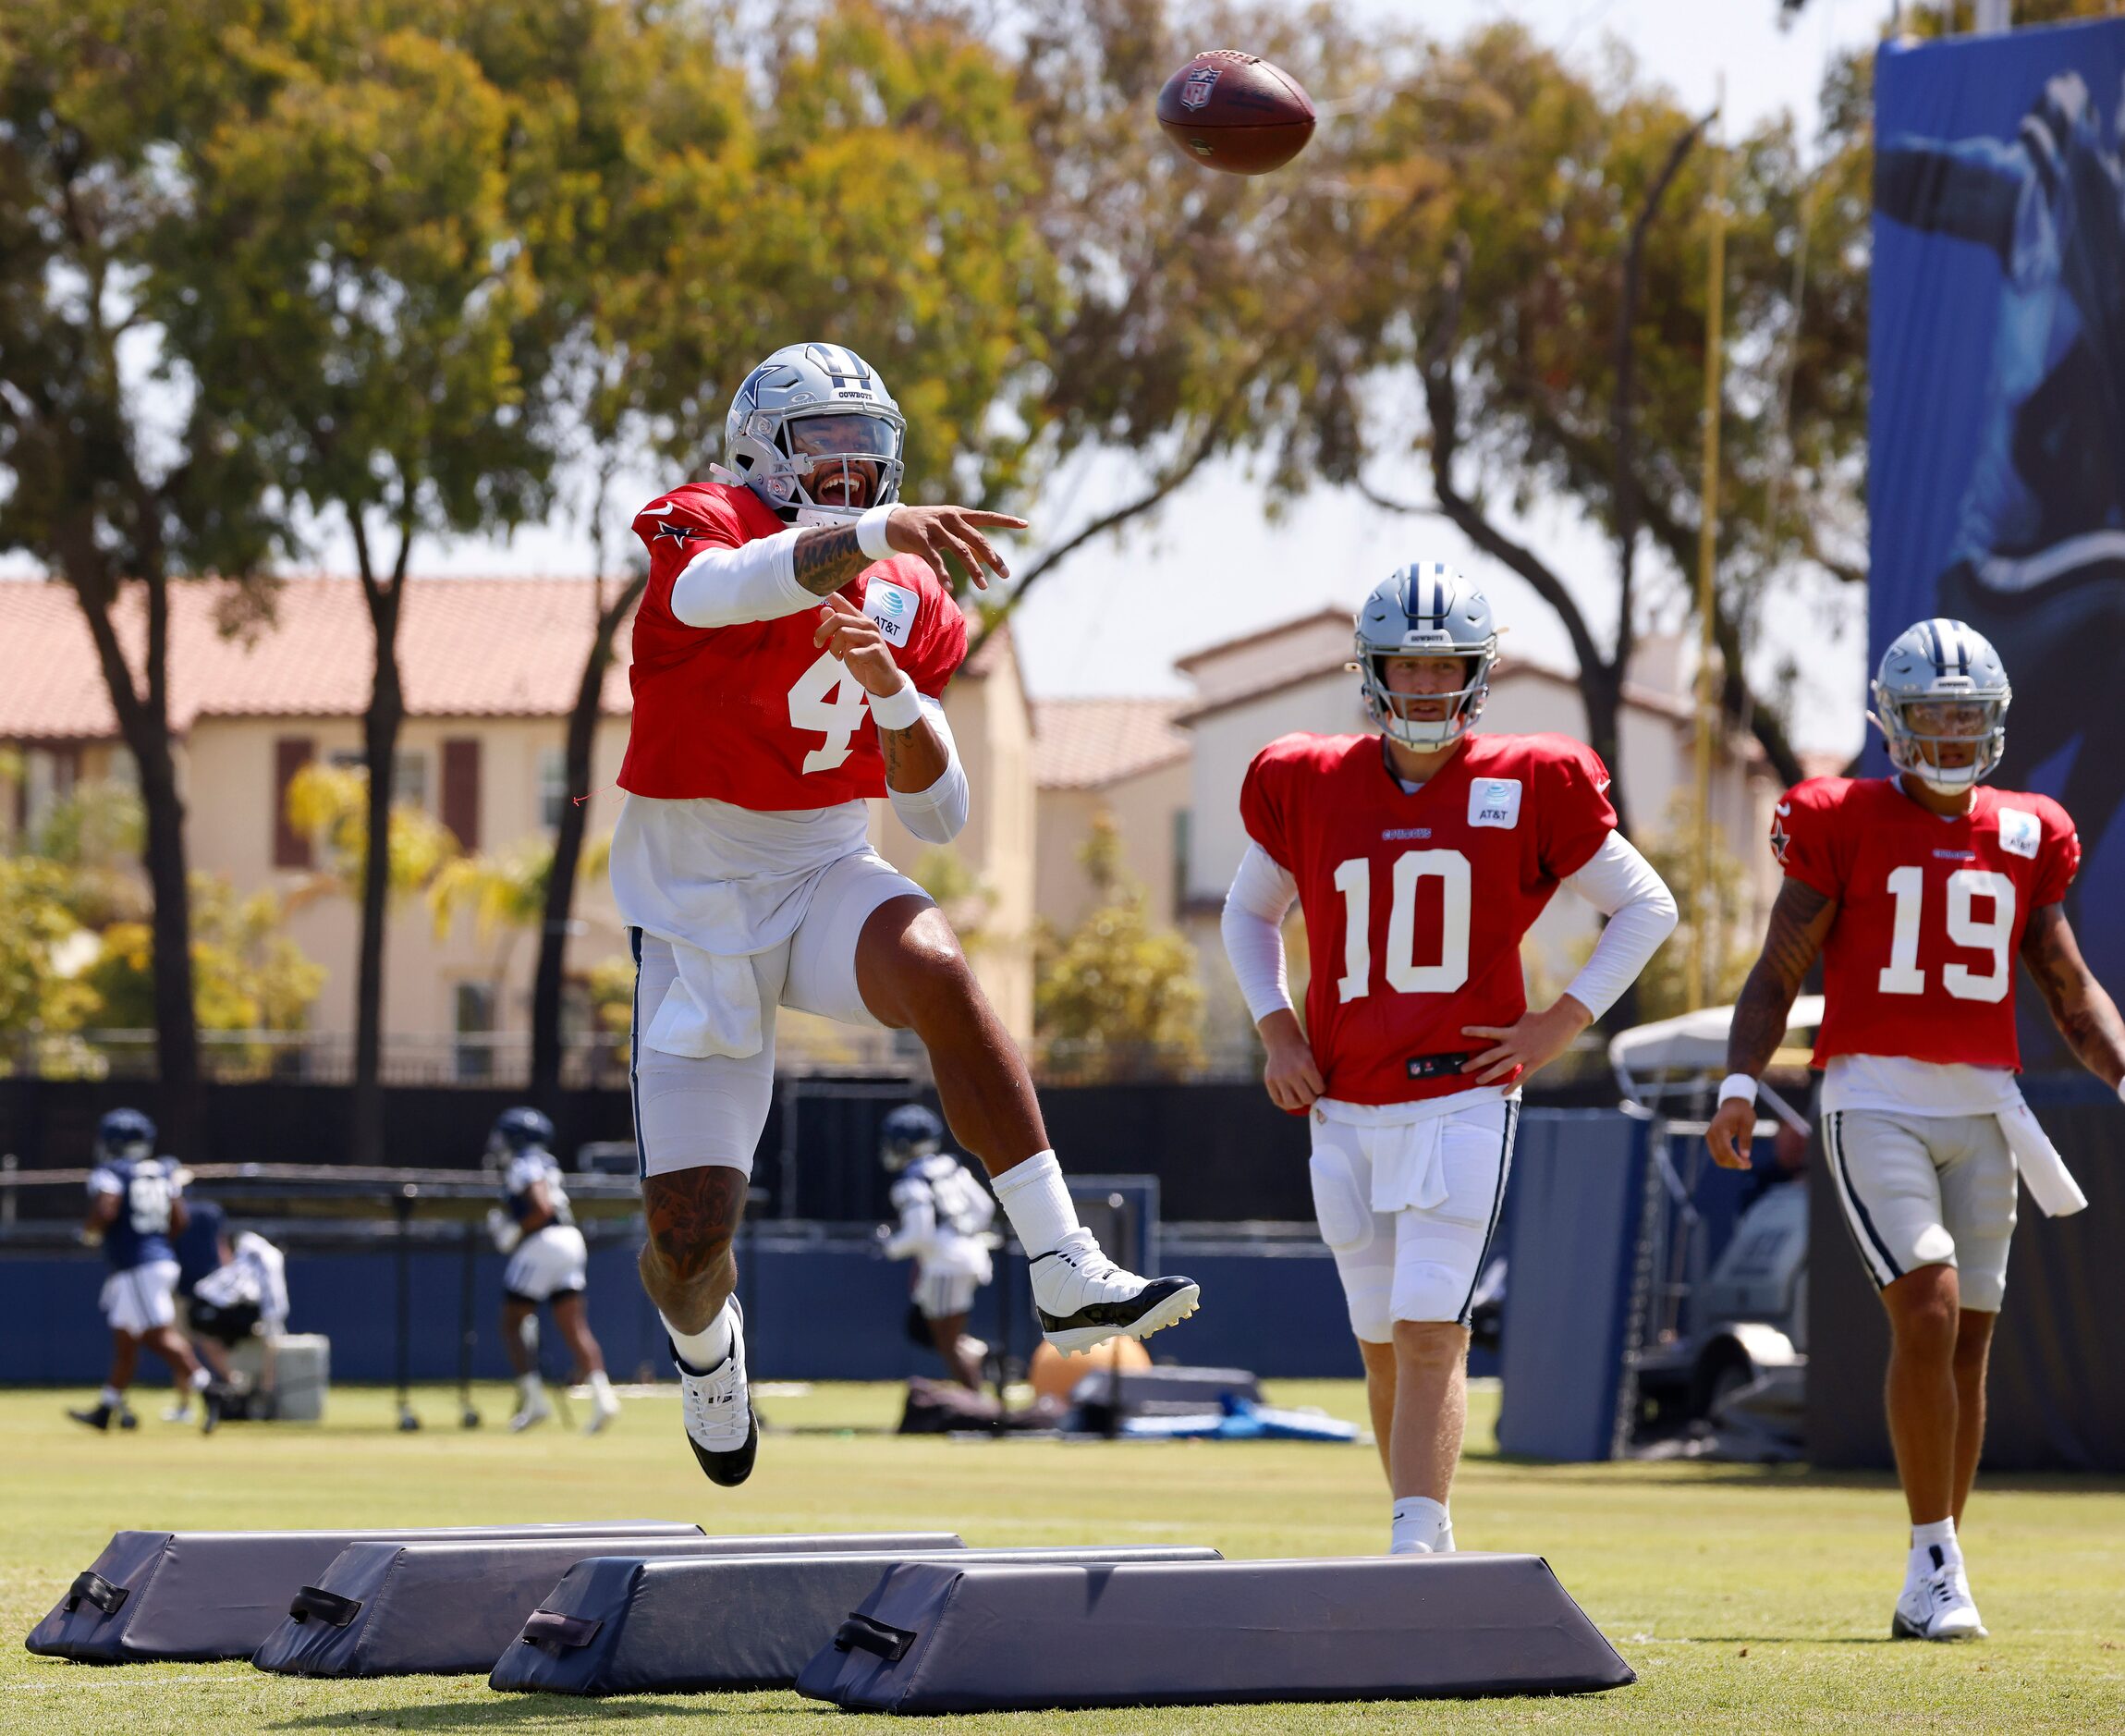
{"x":123,"y":478}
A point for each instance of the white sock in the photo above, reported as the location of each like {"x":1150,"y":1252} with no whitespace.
{"x":201,"y":1380}
{"x":1036,"y":1199}
{"x":1926,"y":1539}
{"x":601,"y":1389}
{"x":1420,"y":1523}
{"x":111,"y":1399}
{"x":528,"y":1385}
{"x":703,"y":1350}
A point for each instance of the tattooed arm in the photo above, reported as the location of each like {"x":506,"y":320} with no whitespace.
{"x":828,"y":557}
{"x":2087,"y":1016}
{"x":1800,"y":923}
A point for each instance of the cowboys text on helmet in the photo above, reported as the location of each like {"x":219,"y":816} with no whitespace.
{"x":1425,"y":609}
{"x":814,"y":432}
{"x":1940,"y":699}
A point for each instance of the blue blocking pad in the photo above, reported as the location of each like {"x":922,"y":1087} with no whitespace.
{"x":634,"y":1625}
{"x":453,"y":1607}
{"x":937,"y":1636}
{"x":195,"y":1595}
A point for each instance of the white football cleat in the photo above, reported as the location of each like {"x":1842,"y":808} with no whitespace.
{"x":531,"y":1412}
{"x":1083,"y":1298}
{"x":1410,"y":1547}
{"x":1938,"y":1605}
{"x":603,"y":1408}
{"x":718,"y":1406}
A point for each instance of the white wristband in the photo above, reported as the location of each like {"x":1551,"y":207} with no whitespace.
{"x":900,"y":710}
{"x":871,"y":532}
{"x":1737,"y":1085}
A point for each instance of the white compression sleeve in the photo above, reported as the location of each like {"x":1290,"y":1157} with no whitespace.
{"x":1253,"y":929}
{"x":1623,"y":886}
{"x":722,"y":587}
{"x":936,"y":814}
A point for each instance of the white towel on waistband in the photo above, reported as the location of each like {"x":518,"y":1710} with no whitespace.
{"x":712,"y":1007}
{"x":2044,"y":1171}
{"x":1407,"y":1171}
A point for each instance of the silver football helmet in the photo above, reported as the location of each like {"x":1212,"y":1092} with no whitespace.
{"x":1941,"y":683}
{"x":802,"y":423}
{"x":1425,"y":609}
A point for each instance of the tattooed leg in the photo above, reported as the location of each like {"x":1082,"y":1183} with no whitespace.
{"x":686,"y":1266}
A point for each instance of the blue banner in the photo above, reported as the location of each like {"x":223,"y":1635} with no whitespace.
{"x":1997,"y":471}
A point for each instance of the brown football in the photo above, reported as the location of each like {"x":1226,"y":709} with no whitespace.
{"x":1235,"y":111}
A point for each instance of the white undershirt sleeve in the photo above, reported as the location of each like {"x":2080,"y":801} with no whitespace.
{"x":937,"y":814}
{"x":1262,"y":891}
{"x":723,"y":587}
{"x":1623,"y":886}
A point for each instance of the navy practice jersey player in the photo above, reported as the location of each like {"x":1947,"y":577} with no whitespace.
{"x":136,"y":1210}
{"x":549,"y":1266}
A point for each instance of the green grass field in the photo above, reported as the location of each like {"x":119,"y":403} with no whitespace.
{"x":1747,"y":1600}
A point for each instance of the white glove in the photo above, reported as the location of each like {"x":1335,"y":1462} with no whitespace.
{"x":505,"y":1229}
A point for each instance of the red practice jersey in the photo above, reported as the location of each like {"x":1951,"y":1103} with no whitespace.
{"x":1920,"y":959}
{"x":1415,"y":902}
{"x":756,"y":714}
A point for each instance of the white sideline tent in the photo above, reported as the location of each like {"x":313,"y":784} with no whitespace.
{"x":1675,"y":1055}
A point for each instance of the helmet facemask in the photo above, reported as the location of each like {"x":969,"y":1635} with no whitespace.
{"x":828,"y":467}
{"x":1389,"y":709}
{"x":1923,"y":730}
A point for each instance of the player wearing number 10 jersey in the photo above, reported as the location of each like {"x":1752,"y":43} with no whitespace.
{"x":1918,"y":890}
{"x":788,"y":654}
{"x":1420,"y":857}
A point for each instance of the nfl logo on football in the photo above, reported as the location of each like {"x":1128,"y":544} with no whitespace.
{"x":1195,"y":92}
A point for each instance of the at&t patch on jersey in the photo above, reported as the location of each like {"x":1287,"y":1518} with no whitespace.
{"x":1494,"y":802}
{"x":893,"y":608}
{"x":2020,"y":832}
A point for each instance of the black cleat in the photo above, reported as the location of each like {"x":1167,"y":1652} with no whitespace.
{"x":97,"y":1417}
{"x":1083,"y":1298}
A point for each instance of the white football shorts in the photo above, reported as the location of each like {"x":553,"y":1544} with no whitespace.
{"x":693,"y":1113}
{"x":1922,"y":1189}
{"x":552,"y":1262}
{"x":943,"y":1291}
{"x":143,"y":1299}
{"x":1418,"y":1263}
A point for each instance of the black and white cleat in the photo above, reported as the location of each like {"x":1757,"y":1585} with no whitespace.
{"x":1939,"y":1607}
{"x":721,"y":1426}
{"x":1084,"y":1298}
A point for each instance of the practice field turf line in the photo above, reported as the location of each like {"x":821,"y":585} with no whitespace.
{"x":1747,"y":1600}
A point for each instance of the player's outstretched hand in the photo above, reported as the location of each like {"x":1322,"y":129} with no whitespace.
{"x":935,"y":532}
{"x":850,"y":634}
{"x":1528,"y":1044}
{"x":1732,"y":1126}
{"x":1293,"y":1080}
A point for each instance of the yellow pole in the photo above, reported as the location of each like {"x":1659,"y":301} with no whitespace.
{"x":1704,"y":905}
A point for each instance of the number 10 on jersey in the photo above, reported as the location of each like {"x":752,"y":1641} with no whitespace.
{"x":1404,"y":974}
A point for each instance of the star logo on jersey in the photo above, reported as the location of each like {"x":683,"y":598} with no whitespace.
{"x":680,"y":533}
{"x":1780,"y":837}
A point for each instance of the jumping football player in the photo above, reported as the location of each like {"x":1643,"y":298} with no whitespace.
{"x":135,"y":1204}
{"x":787,"y":659}
{"x":1918,"y":890}
{"x":944,"y":1216}
{"x":548,"y":1263}
{"x":1420,"y":856}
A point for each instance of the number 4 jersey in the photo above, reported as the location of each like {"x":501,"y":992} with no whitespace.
{"x":1920,"y":960}
{"x":756,"y":714}
{"x":1416,"y":901}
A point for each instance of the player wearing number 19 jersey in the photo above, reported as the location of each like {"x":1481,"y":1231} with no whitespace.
{"x":790,"y":650}
{"x":1918,"y":891}
{"x":1420,"y":856}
